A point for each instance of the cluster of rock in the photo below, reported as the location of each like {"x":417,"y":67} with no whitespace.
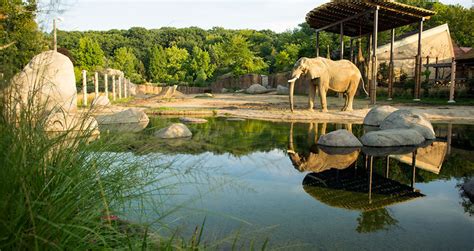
{"x":258,"y":89}
{"x":387,"y":127}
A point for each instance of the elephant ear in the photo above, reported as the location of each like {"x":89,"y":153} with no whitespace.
{"x":316,"y":69}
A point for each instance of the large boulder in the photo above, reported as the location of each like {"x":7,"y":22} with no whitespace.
{"x":282,"y":90}
{"x":176,"y":130}
{"x":392,"y":137}
{"x":377,"y":114}
{"x":100,"y":101}
{"x":256,"y":89}
{"x":62,"y":122}
{"x":404,"y":119}
{"x":339,"y":138}
{"x":132,"y":115}
{"x":51,"y":76}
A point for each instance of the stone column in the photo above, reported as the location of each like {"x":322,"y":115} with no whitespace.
{"x":96,"y":84}
{"x":114,"y":95}
{"x":125,"y":86}
{"x":120,"y":80}
{"x":84,"y":87}
{"x":106,"y":85}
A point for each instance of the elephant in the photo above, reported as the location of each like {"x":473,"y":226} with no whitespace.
{"x":340,"y":76}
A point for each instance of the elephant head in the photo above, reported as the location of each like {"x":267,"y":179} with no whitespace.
{"x":304,"y":66}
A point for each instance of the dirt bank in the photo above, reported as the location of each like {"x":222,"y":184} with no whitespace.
{"x":275,"y":108}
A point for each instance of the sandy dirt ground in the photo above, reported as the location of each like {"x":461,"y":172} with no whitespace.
{"x":276,"y":108}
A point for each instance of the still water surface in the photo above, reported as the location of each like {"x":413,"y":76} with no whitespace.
{"x":269,"y":180}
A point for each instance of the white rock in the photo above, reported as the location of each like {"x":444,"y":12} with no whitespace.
{"x":404,"y":119}
{"x":377,"y":114}
{"x":100,"y":101}
{"x":392,"y":137}
{"x":132,"y":115}
{"x":192,"y":120}
{"x":224,"y":90}
{"x":61,"y":122}
{"x":339,"y":138}
{"x":176,"y":130}
{"x":256,"y":89}
{"x":205,"y":95}
{"x":51,"y":75}
{"x":282,"y":90}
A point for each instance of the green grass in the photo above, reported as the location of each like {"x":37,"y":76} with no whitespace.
{"x":427,"y":101}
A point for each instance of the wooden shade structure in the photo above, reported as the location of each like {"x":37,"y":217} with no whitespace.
{"x":356,"y":18}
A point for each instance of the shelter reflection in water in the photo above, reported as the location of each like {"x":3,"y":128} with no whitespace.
{"x":335,"y":178}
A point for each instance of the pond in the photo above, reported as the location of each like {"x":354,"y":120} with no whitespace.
{"x":262,"y":180}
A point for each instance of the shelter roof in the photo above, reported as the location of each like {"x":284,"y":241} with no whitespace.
{"x":358,"y":19}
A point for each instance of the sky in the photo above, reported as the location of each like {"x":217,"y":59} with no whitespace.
{"x":276,"y":15}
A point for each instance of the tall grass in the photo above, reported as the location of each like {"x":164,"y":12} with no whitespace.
{"x":56,"y":191}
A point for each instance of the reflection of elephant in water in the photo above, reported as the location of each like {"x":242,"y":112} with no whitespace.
{"x":340,"y":76}
{"x":318,"y":160}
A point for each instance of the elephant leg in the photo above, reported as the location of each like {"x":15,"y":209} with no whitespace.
{"x":312,"y":88}
{"x":350,"y":95}
{"x":322,"y":97}
{"x":346,"y":102}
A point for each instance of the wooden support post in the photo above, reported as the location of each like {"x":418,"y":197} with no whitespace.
{"x":84,"y":87}
{"x":106,"y":85}
{"x":387,"y":166}
{"x":96,"y":84}
{"x":120,"y":80}
{"x":418,"y":64}
{"x":114,"y":94}
{"x":450,"y":137}
{"x":341,"y":41}
{"x":352,"y":51}
{"x":317,"y":43}
{"x":413,"y":166}
{"x":436,"y":71}
{"x":373,"y":91}
{"x":452,"y":85}
{"x":427,"y":77}
{"x":391,"y":66}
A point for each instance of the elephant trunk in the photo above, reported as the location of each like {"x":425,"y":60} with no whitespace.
{"x":291,"y":91}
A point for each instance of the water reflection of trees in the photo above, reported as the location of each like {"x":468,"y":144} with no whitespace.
{"x":376,"y":220}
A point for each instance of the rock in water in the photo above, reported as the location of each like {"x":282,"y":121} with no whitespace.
{"x":51,"y":75}
{"x":339,"y":138}
{"x":404,"y":119}
{"x":282,"y":90}
{"x":192,"y":120}
{"x":101,"y":101}
{"x":176,"y":130}
{"x":256,"y":89}
{"x":392,"y":137}
{"x":132,"y":115}
{"x":377,"y":114}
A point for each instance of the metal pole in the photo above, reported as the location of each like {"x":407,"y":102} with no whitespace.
{"x":114,"y":94}
{"x":106,"y":85}
{"x":450,"y":137}
{"x":452,"y":86}
{"x":317,"y":43}
{"x":418,"y":64}
{"x":84,"y":87}
{"x":373,"y":98}
{"x":390,"y":67}
{"x":387,"y":167}
{"x":96,"y":84}
{"x":55,"y":41}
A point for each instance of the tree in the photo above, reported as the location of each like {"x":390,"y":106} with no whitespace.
{"x":89,"y":56}
{"x":20,"y":38}
{"x":285,"y":59}
{"x":157,"y":64}
{"x":176,"y":64}
{"x":200,"y":67}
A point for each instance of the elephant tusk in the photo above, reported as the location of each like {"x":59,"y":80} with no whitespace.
{"x":292,"y":80}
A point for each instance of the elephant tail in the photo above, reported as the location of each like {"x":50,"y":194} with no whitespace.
{"x":363,"y":86}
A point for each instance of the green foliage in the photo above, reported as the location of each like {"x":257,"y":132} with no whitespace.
{"x":89,"y":56}
{"x":200,"y":67}
{"x":285,"y":59}
{"x":20,"y":32}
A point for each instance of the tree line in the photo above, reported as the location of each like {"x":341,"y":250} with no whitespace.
{"x":194,"y":56}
